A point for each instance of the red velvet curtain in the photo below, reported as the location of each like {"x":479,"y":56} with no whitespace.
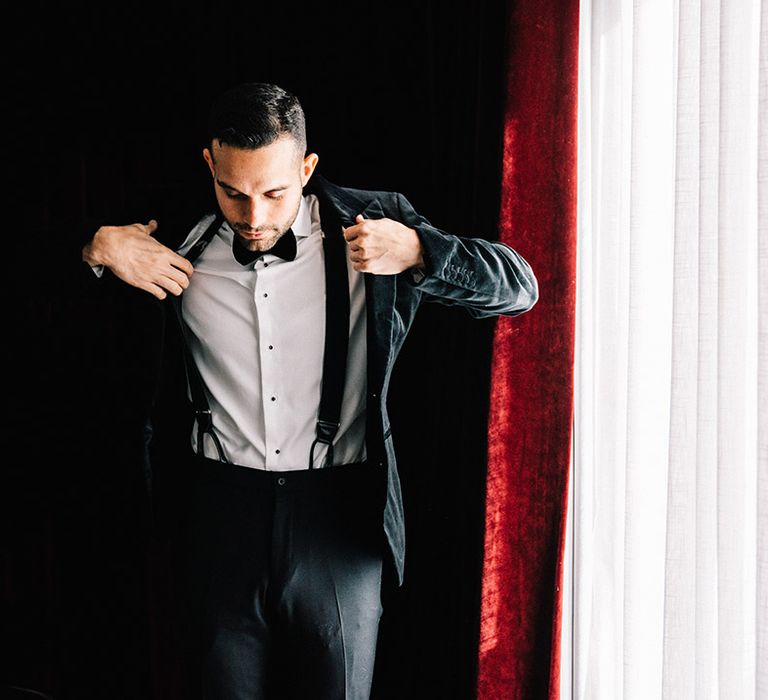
{"x":532,"y":373}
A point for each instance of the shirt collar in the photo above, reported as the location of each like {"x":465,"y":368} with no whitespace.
{"x":302,"y":226}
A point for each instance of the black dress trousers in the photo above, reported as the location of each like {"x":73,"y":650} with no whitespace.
{"x":281,"y":576}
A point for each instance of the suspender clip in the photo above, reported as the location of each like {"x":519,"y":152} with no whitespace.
{"x":204,"y":419}
{"x":326,"y":431}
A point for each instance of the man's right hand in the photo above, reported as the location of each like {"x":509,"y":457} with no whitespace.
{"x":137,"y":258}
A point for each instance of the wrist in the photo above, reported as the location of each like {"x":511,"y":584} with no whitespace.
{"x":93,"y":251}
{"x":418,"y":258}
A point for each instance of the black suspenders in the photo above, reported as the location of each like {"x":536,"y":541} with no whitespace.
{"x":200,"y":404}
{"x":336,"y":340}
{"x":336,"y":332}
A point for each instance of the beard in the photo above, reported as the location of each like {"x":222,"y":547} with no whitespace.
{"x":272,"y":233}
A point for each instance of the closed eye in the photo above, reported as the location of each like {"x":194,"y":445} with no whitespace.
{"x":234,"y":194}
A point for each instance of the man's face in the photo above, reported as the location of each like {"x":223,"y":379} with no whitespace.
{"x":259,"y":191}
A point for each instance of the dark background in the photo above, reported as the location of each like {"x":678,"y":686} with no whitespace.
{"x":106,"y":103}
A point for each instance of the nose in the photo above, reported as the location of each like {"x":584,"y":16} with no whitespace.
{"x":251,"y":213}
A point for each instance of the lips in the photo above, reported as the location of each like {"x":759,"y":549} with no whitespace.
{"x":255,"y":235}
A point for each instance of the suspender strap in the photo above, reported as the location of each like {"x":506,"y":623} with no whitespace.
{"x":200,"y":404}
{"x":336,"y":332}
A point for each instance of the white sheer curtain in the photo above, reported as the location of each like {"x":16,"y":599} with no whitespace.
{"x":669,"y":529}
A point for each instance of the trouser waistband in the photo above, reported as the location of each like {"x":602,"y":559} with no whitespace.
{"x":249,"y":477}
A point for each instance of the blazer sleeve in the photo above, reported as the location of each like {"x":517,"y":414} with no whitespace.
{"x":487,"y":278}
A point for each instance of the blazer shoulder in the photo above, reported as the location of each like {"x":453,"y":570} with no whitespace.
{"x":355,"y":197}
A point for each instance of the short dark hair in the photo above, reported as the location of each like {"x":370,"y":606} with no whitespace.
{"x":252,"y":115}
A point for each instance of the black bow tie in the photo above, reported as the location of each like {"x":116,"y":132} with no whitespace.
{"x":284,"y":248}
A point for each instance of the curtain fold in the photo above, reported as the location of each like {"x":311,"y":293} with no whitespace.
{"x":761,"y":619}
{"x":671,"y":426}
{"x":532,"y":368}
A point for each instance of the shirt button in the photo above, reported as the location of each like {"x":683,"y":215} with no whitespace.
{"x":271,"y":347}
{"x":281,"y":481}
{"x":274,"y":398}
{"x":277,"y":452}
{"x":265,"y":294}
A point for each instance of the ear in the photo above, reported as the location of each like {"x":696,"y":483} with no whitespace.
{"x":208,"y":157}
{"x":308,"y":167}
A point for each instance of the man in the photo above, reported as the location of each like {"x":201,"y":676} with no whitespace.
{"x":293,"y":298}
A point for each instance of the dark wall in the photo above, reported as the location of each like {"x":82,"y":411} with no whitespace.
{"x":107,"y":102}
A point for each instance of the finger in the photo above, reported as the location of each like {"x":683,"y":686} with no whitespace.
{"x":171,"y":285}
{"x":177,"y":276}
{"x":155,"y":290}
{"x":151,"y":227}
{"x":181,"y":263}
{"x":351,"y":233}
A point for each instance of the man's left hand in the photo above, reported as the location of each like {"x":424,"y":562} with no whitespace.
{"x":383,"y":246}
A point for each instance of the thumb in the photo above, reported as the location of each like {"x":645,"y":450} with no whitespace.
{"x":151,"y":227}
{"x":359,"y":219}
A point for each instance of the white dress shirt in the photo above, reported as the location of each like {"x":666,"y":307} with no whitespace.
{"x":257,"y":335}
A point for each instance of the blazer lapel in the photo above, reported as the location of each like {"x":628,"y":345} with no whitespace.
{"x":379,"y":289}
{"x":380,"y":305}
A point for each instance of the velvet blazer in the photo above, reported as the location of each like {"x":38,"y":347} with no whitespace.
{"x":486,"y":278}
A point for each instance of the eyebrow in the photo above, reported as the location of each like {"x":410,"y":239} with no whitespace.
{"x":227,"y":186}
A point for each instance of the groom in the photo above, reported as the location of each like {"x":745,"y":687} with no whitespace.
{"x":289,"y":302}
